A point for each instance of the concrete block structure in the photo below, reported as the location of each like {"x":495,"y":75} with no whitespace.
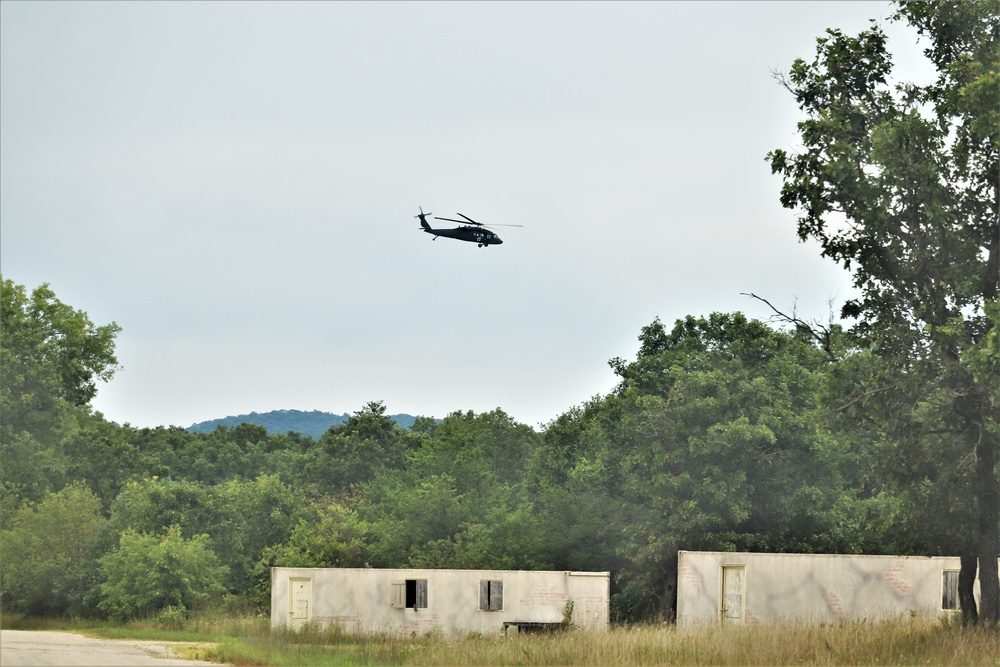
{"x":737,"y":588}
{"x":454,"y":603}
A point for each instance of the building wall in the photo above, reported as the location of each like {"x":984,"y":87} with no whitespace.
{"x":808,"y":587}
{"x":360,"y":600}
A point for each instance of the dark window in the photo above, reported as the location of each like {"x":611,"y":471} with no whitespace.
{"x":409,"y":594}
{"x":416,"y":593}
{"x":490,"y":595}
{"x":949,"y":589}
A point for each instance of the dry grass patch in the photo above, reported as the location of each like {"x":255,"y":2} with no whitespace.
{"x":250,"y":641}
{"x":849,"y":644}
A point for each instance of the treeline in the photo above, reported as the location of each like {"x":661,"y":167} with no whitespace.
{"x":721,"y":435}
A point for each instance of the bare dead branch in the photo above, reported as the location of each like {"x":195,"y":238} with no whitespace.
{"x":821,"y":334}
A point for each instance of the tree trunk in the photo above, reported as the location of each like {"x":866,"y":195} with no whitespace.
{"x":989,"y":529}
{"x":987,"y":489}
{"x":966,"y":584}
{"x":668,"y":601}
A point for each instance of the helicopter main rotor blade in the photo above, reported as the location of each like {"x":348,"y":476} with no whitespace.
{"x":470,"y":221}
{"x":461,"y":222}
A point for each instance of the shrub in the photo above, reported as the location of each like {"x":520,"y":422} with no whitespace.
{"x":149,"y":573}
{"x":49,"y":553}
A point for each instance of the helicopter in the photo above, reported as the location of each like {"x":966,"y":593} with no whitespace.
{"x":472,"y":231}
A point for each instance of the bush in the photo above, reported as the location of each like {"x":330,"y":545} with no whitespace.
{"x":149,"y":573}
{"x":49,"y":553}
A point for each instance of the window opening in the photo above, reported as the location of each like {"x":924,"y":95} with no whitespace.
{"x":490,"y":595}
{"x":949,"y":589}
{"x":409,"y":594}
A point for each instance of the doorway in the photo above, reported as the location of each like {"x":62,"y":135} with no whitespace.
{"x":734,"y":586}
{"x":299,"y":601}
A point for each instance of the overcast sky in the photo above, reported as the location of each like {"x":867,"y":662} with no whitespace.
{"x":234,"y":184}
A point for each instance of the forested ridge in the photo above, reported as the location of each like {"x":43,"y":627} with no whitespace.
{"x":880,"y":434}
{"x":313,"y":423}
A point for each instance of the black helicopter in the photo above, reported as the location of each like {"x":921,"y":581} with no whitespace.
{"x":472,"y":231}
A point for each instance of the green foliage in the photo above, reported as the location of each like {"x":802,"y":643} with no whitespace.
{"x":460,"y":501}
{"x":103,"y":456}
{"x":51,"y":357}
{"x":355,"y":451}
{"x":567,"y":616}
{"x":330,"y":535}
{"x":49,"y":552}
{"x":153,"y":505}
{"x":241,"y":518}
{"x":256,"y":515}
{"x":714,"y":440}
{"x":51,"y":351}
{"x":898,"y":183}
{"x":148,"y":573}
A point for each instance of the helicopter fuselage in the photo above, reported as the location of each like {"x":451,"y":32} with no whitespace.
{"x":483,"y":237}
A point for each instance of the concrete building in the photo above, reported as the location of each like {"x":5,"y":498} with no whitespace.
{"x":452,"y":602}
{"x":738,"y":588}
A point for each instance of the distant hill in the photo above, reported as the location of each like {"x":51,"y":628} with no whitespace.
{"x":314,"y":423}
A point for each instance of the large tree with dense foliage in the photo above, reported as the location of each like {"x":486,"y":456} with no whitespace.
{"x":899,"y":184}
{"x":715,"y":443}
{"x":459,"y":501}
{"x":352,"y":453}
{"x":51,"y":358}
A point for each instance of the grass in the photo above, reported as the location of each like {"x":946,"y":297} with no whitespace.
{"x":249,"y":641}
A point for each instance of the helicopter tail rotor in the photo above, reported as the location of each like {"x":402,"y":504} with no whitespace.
{"x":423,"y":218}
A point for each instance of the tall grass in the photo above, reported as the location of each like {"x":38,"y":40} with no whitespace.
{"x":249,"y":641}
{"x":857,"y":644}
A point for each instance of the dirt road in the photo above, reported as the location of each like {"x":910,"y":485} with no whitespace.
{"x":21,"y":648}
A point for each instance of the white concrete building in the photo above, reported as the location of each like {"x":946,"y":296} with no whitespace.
{"x":452,"y":602}
{"x":715,"y":587}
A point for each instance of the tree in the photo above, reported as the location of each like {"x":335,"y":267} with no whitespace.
{"x":153,"y":505}
{"x":102,"y":455}
{"x":148,"y":573}
{"x":52,"y":351}
{"x":49,"y":552}
{"x":330,"y":535}
{"x":51,"y":357}
{"x":490,"y":443}
{"x":460,"y":500}
{"x":254,"y":515}
{"x":899,"y":185}
{"x":577,"y":496}
{"x":352,"y":453}
{"x":714,"y":442}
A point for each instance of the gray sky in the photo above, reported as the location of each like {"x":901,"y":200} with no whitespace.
{"x":235,"y":184}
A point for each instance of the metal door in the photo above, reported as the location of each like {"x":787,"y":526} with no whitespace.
{"x":299,"y":602}
{"x":733,"y":611}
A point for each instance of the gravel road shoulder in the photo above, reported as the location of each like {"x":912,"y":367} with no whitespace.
{"x":25,"y":648}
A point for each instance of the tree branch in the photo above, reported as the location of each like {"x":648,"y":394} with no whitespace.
{"x":822,"y":335}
